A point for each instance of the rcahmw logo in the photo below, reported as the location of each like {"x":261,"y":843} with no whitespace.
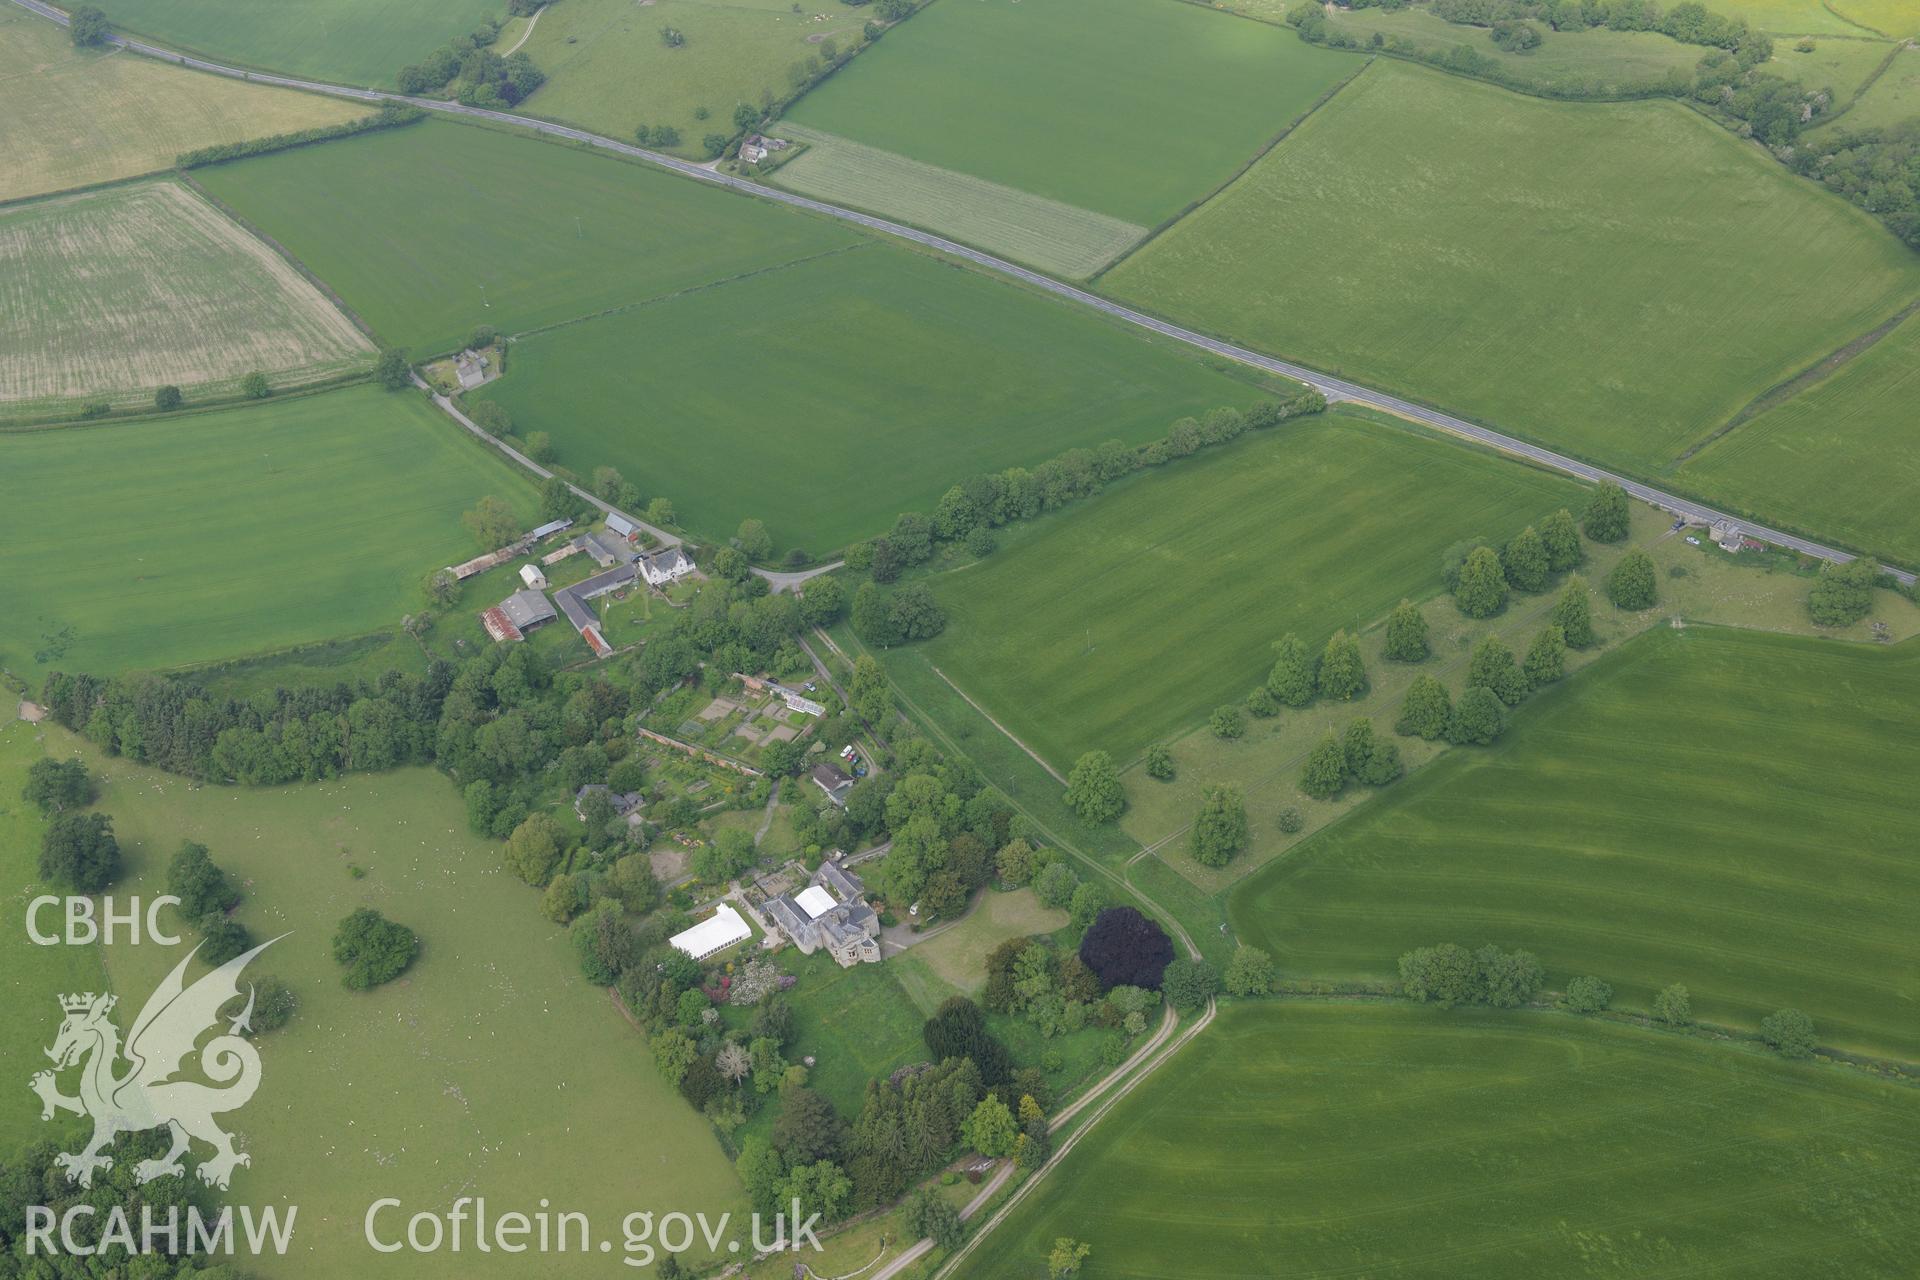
{"x":132,"y":1087}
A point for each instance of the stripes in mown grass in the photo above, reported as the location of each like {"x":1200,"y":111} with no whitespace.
{"x":1047,"y":234}
{"x":1321,"y":1140}
{"x":1723,"y":809}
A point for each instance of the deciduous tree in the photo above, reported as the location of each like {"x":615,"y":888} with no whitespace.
{"x":1492,"y":666}
{"x":1093,"y":788}
{"x":1561,"y":537}
{"x":1426,"y":711}
{"x":1632,"y":585}
{"x":1295,"y":675}
{"x":1526,"y":561}
{"x":1573,"y":614}
{"x":1546,"y":657}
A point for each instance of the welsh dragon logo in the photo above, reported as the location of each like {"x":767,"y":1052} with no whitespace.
{"x":145,"y":1095}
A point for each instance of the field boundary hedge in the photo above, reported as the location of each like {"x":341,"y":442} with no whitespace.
{"x":391,"y":115}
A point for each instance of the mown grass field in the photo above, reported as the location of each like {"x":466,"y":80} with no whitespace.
{"x":360,"y":42}
{"x":1700,"y":584}
{"x":955,"y":958}
{"x":1584,"y":274}
{"x":608,"y":69}
{"x":1842,"y":457}
{"x":490,"y":1068}
{"x":1706,"y":806}
{"x":155,"y":544}
{"x":31,"y":977}
{"x":430,"y":230}
{"x":1325,"y":1140}
{"x":1042,"y":233}
{"x":1129,"y":617}
{"x":69,"y":117}
{"x":1094,"y":103}
{"x":109,"y":294}
{"x":849,"y":388}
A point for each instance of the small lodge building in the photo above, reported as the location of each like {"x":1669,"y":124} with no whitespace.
{"x":625,"y":804}
{"x":531,"y":575}
{"x":834,"y":781}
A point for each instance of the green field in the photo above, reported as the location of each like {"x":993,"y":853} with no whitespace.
{"x":361,"y":42}
{"x":1042,"y":233}
{"x":106,"y":295}
{"x":608,"y":69}
{"x":1315,"y":1141}
{"x":491,"y":1068}
{"x":1840,"y":65}
{"x":1894,"y":97}
{"x":69,"y":117}
{"x":848,"y":389}
{"x":1594,"y":276}
{"x":1810,"y":458}
{"x":1128,"y":618}
{"x":1131,"y":108}
{"x":1707,"y":806}
{"x":1896,"y":18}
{"x":31,"y":977}
{"x":154,"y":544}
{"x":430,"y":230}
{"x":1801,"y":17}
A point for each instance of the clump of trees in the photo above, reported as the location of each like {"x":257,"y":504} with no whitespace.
{"x":1843,"y":594}
{"x":1789,"y":1033}
{"x":372,"y":949}
{"x":1357,"y":756}
{"x":206,"y":896}
{"x":479,"y":77}
{"x":1449,"y":974}
{"x":87,"y":26}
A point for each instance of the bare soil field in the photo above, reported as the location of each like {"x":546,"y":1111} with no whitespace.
{"x":107,"y":295}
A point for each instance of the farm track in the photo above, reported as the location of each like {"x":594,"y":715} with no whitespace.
{"x":1335,"y":389}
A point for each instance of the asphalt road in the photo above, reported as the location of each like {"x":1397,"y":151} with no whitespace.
{"x":1333,"y":388}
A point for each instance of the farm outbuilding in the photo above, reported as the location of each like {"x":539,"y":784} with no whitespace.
{"x":528,"y":609}
{"x":531,"y":575}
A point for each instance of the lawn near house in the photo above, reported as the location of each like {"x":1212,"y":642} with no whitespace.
{"x":1704,"y":806}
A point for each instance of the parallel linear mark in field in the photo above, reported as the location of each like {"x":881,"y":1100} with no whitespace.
{"x":1333,"y":388}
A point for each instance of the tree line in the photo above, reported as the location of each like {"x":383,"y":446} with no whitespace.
{"x":391,"y":115}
